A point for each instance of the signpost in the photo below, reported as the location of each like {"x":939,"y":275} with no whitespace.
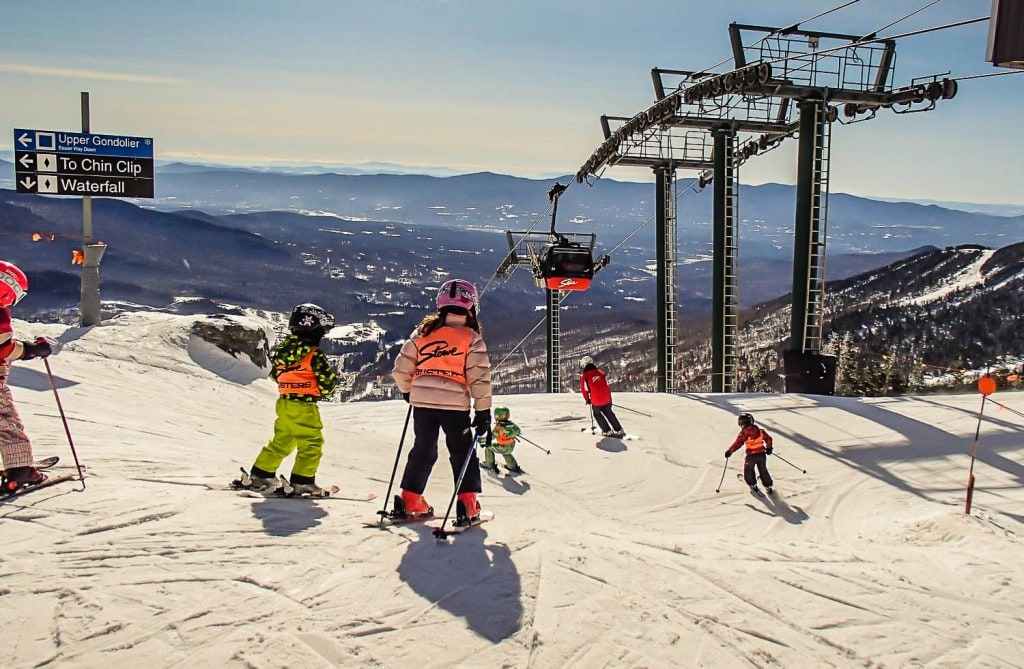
{"x":53,"y":162}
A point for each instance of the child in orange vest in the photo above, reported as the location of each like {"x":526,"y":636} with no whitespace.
{"x":759,"y":446}
{"x":505,"y":433}
{"x":304,"y":376}
{"x":441,"y":368}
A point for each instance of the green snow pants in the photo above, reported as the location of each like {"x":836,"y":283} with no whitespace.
{"x":298,"y":425}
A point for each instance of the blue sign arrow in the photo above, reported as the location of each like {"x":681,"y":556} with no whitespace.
{"x":82,"y":144}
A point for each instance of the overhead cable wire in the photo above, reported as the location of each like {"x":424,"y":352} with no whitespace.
{"x":874,"y":33}
{"x":791,"y":26}
{"x":875,"y":40}
{"x":983,"y":76}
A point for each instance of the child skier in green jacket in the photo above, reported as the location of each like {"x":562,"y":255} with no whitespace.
{"x":504,"y":442}
{"x":304,"y":376}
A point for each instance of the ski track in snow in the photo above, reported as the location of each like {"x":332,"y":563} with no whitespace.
{"x":597,"y":558}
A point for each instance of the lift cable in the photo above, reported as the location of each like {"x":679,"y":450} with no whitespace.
{"x":874,"y":33}
{"x":990,"y":74}
{"x":781,"y":31}
{"x":874,"y":40}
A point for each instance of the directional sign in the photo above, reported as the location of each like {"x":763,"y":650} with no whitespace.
{"x":138,"y":168}
{"x":81,"y":143}
{"x":53,"y":162}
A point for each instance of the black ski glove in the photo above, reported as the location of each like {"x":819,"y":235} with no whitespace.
{"x":40,"y":349}
{"x":728,"y":454}
{"x":768,"y":450}
{"x":482,"y":423}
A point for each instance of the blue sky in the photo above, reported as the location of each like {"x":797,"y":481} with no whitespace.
{"x":486,"y":85}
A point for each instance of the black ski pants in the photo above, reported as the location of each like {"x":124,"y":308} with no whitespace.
{"x":606,"y":419}
{"x":458,"y":436}
{"x":760,"y":461}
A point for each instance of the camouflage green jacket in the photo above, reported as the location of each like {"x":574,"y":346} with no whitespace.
{"x":287,"y":358}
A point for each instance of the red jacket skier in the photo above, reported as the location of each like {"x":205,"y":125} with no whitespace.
{"x":758,"y":444}
{"x":598,"y":395}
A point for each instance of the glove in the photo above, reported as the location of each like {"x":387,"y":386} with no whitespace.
{"x":40,"y":349}
{"x":727,"y":454}
{"x":482,"y":422}
{"x":587,"y":401}
{"x":768,"y":450}
{"x":405,"y":396}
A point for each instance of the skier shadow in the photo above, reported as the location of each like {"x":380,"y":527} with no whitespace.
{"x":612,"y":445}
{"x":468,"y":578}
{"x":287,"y":517}
{"x":511,"y":484}
{"x":32,"y":379}
{"x":776,"y":506}
{"x":514,"y":485}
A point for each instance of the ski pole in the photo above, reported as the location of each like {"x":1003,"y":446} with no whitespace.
{"x":384,"y":512}
{"x":723,"y":475}
{"x":440,"y":531}
{"x":67,"y":431}
{"x":804,"y":471}
{"x":634,"y":411}
{"x":534,"y":443}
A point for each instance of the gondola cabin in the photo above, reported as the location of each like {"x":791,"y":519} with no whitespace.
{"x":566,"y":266}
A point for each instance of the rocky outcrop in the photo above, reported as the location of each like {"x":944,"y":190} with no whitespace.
{"x":235,"y":335}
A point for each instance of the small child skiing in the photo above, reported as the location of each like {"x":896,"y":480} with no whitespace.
{"x":304,"y":376}
{"x":758,"y":445}
{"x":15,"y":447}
{"x":598,"y":395}
{"x":441,"y":368}
{"x":504,"y":442}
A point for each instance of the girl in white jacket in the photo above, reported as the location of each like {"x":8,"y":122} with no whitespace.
{"x":441,"y":370}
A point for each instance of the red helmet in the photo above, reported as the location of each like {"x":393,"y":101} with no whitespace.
{"x":13,"y":284}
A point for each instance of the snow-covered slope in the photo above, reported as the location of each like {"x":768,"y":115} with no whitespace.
{"x":606,"y":553}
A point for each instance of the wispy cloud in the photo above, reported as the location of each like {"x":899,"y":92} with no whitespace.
{"x":19,"y":68}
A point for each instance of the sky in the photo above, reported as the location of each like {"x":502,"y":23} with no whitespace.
{"x":510,"y":87}
{"x":644,"y":552}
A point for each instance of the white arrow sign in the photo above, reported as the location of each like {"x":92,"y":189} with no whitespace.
{"x":24,"y":139}
{"x":26,"y":161}
{"x":28,"y":182}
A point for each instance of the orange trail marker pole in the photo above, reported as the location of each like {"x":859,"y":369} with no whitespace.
{"x":986,"y":386}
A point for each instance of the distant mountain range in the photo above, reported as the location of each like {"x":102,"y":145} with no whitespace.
{"x":373,"y":248}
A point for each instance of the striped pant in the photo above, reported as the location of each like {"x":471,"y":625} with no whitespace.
{"x":15,"y":447}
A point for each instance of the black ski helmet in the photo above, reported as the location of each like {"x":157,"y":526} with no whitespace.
{"x":745,"y":419}
{"x":307,"y":318}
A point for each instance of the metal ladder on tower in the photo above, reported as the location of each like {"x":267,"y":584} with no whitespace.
{"x":671,"y":289}
{"x":554,"y":341}
{"x":815,"y":314}
{"x":731,"y":316}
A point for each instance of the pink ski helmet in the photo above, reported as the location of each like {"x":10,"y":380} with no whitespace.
{"x":13,"y":284}
{"x":458,"y":293}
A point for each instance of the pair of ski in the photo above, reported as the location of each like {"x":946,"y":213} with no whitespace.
{"x":387,"y":520}
{"x":287,"y":491}
{"x":597,"y":431}
{"x":754,"y":490}
{"x":496,"y":470}
{"x":44,"y":464}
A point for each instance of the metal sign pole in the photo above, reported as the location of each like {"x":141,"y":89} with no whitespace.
{"x":89,"y":306}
